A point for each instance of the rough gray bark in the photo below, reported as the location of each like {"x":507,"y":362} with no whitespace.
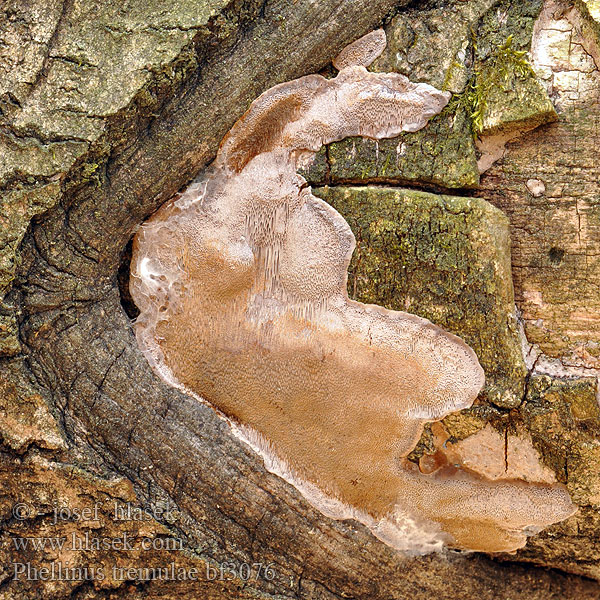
{"x":78,"y":354}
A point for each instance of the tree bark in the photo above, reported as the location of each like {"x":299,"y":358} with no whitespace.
{"x":108,"y":110}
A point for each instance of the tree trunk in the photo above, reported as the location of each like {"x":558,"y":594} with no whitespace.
{"x":109,"y":108}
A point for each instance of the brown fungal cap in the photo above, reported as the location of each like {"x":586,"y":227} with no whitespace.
{"x":362,"y":52}
{"x":241,"y":284}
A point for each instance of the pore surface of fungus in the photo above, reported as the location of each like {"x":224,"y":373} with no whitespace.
{"x":241,"y":284}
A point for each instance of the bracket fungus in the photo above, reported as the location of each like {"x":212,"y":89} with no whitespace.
{"x":241,"y":285}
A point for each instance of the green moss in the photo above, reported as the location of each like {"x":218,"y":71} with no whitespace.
{"x":441,"y":154}
{"x":455,"y":71}
{"x":590,"y":11}
{"x":497,"y":91}
{"x":505,"y":19}
{"x":445,"y":258}
{"x":504,"y":84}
{"x":432,"y":43}
{"x":504,"y":92}
{"x":318,"y":168}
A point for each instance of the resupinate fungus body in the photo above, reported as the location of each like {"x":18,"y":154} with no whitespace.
{"x":241,"y":285}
